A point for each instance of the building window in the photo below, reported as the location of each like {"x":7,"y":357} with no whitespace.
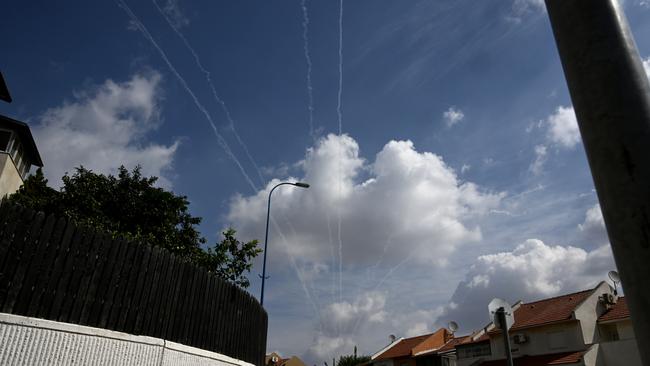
{"x":476,"y":350}
{"x":5,"y":138}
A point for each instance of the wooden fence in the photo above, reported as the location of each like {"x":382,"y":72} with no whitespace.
{"x":51,"y":269}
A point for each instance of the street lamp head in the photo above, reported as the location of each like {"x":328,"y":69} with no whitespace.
{"x":301,"y":185}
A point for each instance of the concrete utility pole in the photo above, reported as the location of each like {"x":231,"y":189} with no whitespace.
{"x":611,"y":98}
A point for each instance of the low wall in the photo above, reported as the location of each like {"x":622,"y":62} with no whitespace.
{"x":30,"y":341}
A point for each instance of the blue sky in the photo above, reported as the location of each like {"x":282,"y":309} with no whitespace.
{"x":459,"y":176}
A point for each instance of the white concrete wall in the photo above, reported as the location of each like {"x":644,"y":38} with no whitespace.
{"x":10,"y":180}
{"x":623,"y":352}
{"x":589,"y":311}
{"x":30,"y":341}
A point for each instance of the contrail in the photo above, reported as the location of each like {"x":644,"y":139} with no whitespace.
{"x":340,"y":115}
{"x":310,"y":94}
{"x":222,"y":142}
{"x":216,"y":96}
{"x":338,"y":105}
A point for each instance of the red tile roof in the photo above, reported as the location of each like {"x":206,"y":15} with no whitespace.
{"x":402,"y":348}
{"x":565,"y":358}
{"x":618,"y":311}
{"x":546,"y":311}
{"x":452,"y":343}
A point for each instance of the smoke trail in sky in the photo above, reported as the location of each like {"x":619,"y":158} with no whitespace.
{"x":299,"y":273}
{"x":208,"y":78}
{"x":222,"y":142}
{"x":310,"y":94}
{"x":340,"y":117}
{"x":338,"y":105}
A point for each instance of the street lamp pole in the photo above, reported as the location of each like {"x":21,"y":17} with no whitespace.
{"x":266,"y":237}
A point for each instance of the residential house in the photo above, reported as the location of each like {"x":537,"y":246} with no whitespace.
{"x":274,"y":359}
{"x":18,"y":153}
{"x":564,"y":330}
{"x":405,"y":351}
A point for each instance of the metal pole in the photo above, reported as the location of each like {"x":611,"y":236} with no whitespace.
{"x":611,"y":98}
{"x":266,"y":243}
{"x":266,"y":236}
{"x":501,"y":316}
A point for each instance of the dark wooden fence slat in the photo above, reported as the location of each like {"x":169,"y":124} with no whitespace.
{"x":93,"y":296}
{"x":15,"y":225}
{"x":174,"y":297}
{"x":153,"y":300}
{"x":50,"y":249}
{"x":34,"y":253}
{"x":156,"y":305}
{"x":168,"y":290}
{"x":72,"y":303}
{"x":63,"y":291}
{"x":56,"y":275}
{"x":126,"y":289}
{"x":82,"y":301}
{"x":116,"y":254}
{"x":122,"y":274}
{"x":127,"y":321}
{"x":16,"y":261}
{"x":143,"y":308}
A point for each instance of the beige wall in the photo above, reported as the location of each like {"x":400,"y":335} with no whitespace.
{"x":556,"y":338}
{"x":10,"y":180}
{"x":624,"y":352}
{"x":589,"y":311}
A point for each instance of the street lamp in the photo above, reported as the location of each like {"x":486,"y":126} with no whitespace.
{"x":266,"y":238}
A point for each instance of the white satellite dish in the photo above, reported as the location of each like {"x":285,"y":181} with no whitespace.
{"x":495,"y":305}
{"x":452,"y":326}
{"x":613,"y":275}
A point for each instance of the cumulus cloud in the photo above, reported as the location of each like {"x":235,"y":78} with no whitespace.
{"x":533,"y":270}
{"x":403,"y":203}
{"x":452,"y":116}
{"x":342,"y":321}
{"x":563,"y":127}
{"x":593,"y":226}
{"x":104,"y":127}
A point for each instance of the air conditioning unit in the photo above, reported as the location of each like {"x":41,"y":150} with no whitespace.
{"x":608,"y":299}
{"x":520,"y":338}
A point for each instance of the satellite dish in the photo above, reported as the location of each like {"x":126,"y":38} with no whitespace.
{"x":452,"y":326}
{"x":613,"y":275}
{"x":495,"y":305}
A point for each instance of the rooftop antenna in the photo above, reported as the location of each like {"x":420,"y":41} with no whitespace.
{"x":613,"y":275}
{"x":452,"y":326}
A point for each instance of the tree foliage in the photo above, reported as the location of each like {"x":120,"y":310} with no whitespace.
{"x":352,"y":360}
{"x":129,"y":205}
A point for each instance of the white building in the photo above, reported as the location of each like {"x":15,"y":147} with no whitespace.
{"x":18,"y":153}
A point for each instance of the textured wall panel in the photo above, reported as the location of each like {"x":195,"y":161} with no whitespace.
{"x":28,"y":341}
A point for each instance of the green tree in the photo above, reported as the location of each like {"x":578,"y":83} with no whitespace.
{"x":352,"y":360}
{"x":129,"y":205}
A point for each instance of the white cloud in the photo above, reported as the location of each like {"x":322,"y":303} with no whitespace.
{"x":453,"y":116}
{"x":593,"y":228}
{"x":105,"y":127}
{"x":465,"y":168}
{"x":521,"y":8}
{"x":174,"y":14}
{"x":409,"y":196}
{"x":540,"y":158}
{"x":563,"y":127}
{"x":533,"y":270}
{"x":342,"y":321}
